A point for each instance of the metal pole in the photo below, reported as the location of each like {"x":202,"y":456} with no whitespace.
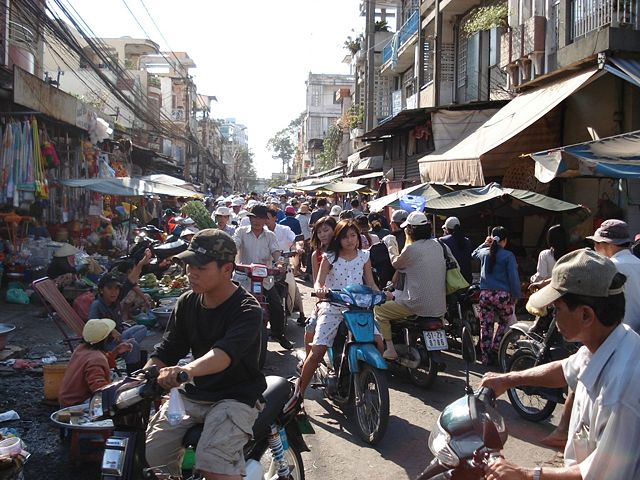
{"x":370,"y":64}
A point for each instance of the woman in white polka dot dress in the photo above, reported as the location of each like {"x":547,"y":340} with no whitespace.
{"x":344,"y":264}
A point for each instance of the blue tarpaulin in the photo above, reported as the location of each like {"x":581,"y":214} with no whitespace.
{"x":613,"y":157}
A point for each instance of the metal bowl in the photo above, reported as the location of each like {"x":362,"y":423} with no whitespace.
{"x":5,"y":331}
{"x":163,"y":314}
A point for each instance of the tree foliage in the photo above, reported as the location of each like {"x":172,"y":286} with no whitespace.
{"x":283,"y":143}
{"x":486,"y":18}
{"x":329,"y":155}
{"x":246,"y":175}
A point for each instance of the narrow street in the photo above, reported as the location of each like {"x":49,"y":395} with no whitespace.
{"x":403,"y":452}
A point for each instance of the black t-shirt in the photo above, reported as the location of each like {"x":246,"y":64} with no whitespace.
{"x":234,"y":327}
{"x":317,"y":215}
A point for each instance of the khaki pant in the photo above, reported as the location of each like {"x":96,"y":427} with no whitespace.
{"x":387,"y":313}
{"x":228,"y":426}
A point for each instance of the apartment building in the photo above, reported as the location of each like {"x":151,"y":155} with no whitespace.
{"x":323,"y":109}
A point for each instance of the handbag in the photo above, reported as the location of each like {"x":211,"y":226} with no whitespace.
{"x":454,"y":279}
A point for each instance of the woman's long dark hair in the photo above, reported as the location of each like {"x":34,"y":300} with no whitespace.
{"x":315,"y":241}
{"x":501,"y":234}
{"x":557,"y":241}
{"x":342,"y":228}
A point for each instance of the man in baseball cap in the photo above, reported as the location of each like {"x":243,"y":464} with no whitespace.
{"x":613,"y":240}
{"x":587,"y":294}
{"x":221,"y":324}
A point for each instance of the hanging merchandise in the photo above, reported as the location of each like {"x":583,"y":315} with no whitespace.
{"x":42,"y":186}
{"x":49,"y":153}
{"x":104,"y":169}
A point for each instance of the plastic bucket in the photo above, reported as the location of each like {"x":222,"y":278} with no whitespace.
{"x":52,"y":376}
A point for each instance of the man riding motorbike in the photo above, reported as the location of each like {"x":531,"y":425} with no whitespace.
{"x":257,"y":244}
{"x":420,"y":295}
{"x":220,"y":323}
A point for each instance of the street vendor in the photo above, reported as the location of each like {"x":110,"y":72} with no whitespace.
{"x":89,"y":367}
{"x":111,"y":292}
{"x":62,"y":268}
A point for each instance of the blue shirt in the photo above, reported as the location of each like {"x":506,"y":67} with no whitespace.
{"x":279,"y":215}
{"x":505,"y":272}
{"x":292,"y":223}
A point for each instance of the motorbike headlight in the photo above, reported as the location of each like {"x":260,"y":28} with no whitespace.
{"x":268,"y":283}
{"x":260,"y":272}
{"x":362,"y":300}
{"x":95,"y":406}
{"x":439,"y":446}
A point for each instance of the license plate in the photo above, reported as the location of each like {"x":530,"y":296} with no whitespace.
{"x":435,"y":340}
{"x":257,"y":288}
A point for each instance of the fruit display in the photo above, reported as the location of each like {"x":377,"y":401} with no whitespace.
{"x":170,"y":285}
{"x":148,"y":281}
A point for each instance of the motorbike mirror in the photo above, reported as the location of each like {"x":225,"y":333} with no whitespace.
{"x":299,"y":238}
{"x":468,"y":349}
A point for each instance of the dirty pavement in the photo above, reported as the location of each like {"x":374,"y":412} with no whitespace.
{"x":37,"y":341}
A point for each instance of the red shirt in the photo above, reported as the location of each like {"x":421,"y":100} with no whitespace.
{"x":88,"y":370}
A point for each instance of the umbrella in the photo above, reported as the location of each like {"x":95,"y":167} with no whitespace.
{"x":426,"y":190}
{"x":498,"y":201}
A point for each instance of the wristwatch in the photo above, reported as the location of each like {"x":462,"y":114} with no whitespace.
{"x":537,"y":473}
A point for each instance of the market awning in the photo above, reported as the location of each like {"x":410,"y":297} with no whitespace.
{"x":366,"y":176}
{"x":496,"y":200}
{"x":326,"y":172}
{"x":404,"y":120}
{"x":317,"y":181}
{"x":128,"y":187}
{"x":426,"y":190}
{"x":627,"y":69}
{"x":520,"y":113}
{"x":613,"y":157}
{"x":343,"y":187}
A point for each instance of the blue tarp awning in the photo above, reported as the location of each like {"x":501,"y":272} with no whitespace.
{"x":613,"y":157}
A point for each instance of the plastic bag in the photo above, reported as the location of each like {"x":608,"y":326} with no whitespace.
{"x":175,"y":412}
{"x":17,"y":295}
{"x":412,"y":203}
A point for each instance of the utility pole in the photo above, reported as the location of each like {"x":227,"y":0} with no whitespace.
{"x":370,"y":14}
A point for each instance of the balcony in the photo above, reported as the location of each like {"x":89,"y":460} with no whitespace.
{"x":392,"y":51}
{"x":591,"y":15}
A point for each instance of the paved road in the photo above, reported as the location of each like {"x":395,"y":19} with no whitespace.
{"x":337,"y":452}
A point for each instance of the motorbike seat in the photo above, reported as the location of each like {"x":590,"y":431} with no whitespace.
{"x":275,"y":395}
{"x":423,"y":323}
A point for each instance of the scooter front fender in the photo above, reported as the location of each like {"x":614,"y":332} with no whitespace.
{"x":365,"y":352}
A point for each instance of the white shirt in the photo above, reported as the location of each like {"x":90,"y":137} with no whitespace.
{"x":285,"y":237}
{"x":628,"y":264}
{"x":252,"y":249}
{"x":604,"y":432}
{"x":546,"y":262}
{"x":304,"y":224}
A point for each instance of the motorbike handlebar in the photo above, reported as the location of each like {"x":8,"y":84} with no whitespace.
{"x":487,"y":396}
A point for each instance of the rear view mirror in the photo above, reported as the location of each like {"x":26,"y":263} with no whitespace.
{"x":299,"y":238}
{"x":468,"y":349}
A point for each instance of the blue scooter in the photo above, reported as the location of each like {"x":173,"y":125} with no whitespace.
{"x":353,"y":371}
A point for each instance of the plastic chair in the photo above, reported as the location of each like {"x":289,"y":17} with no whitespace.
{"x":59,"y":310}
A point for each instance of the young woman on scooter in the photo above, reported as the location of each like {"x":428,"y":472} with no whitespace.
{"x":345,"y":263}
{"x":320,"y":239}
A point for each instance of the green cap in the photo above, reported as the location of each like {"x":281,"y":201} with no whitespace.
{"x":582,"y":272}
{"x":209,"y":245}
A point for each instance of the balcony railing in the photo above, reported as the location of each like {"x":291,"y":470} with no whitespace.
{"x":591,"y":15}
{"x":407,"y":30}
{"x":23,"y":36}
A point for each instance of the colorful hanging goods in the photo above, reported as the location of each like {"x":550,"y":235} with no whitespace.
{"x":49,"y":154}
{"x":42,"y":186}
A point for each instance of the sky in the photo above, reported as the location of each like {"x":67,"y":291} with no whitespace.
{"x":253,"y":55}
